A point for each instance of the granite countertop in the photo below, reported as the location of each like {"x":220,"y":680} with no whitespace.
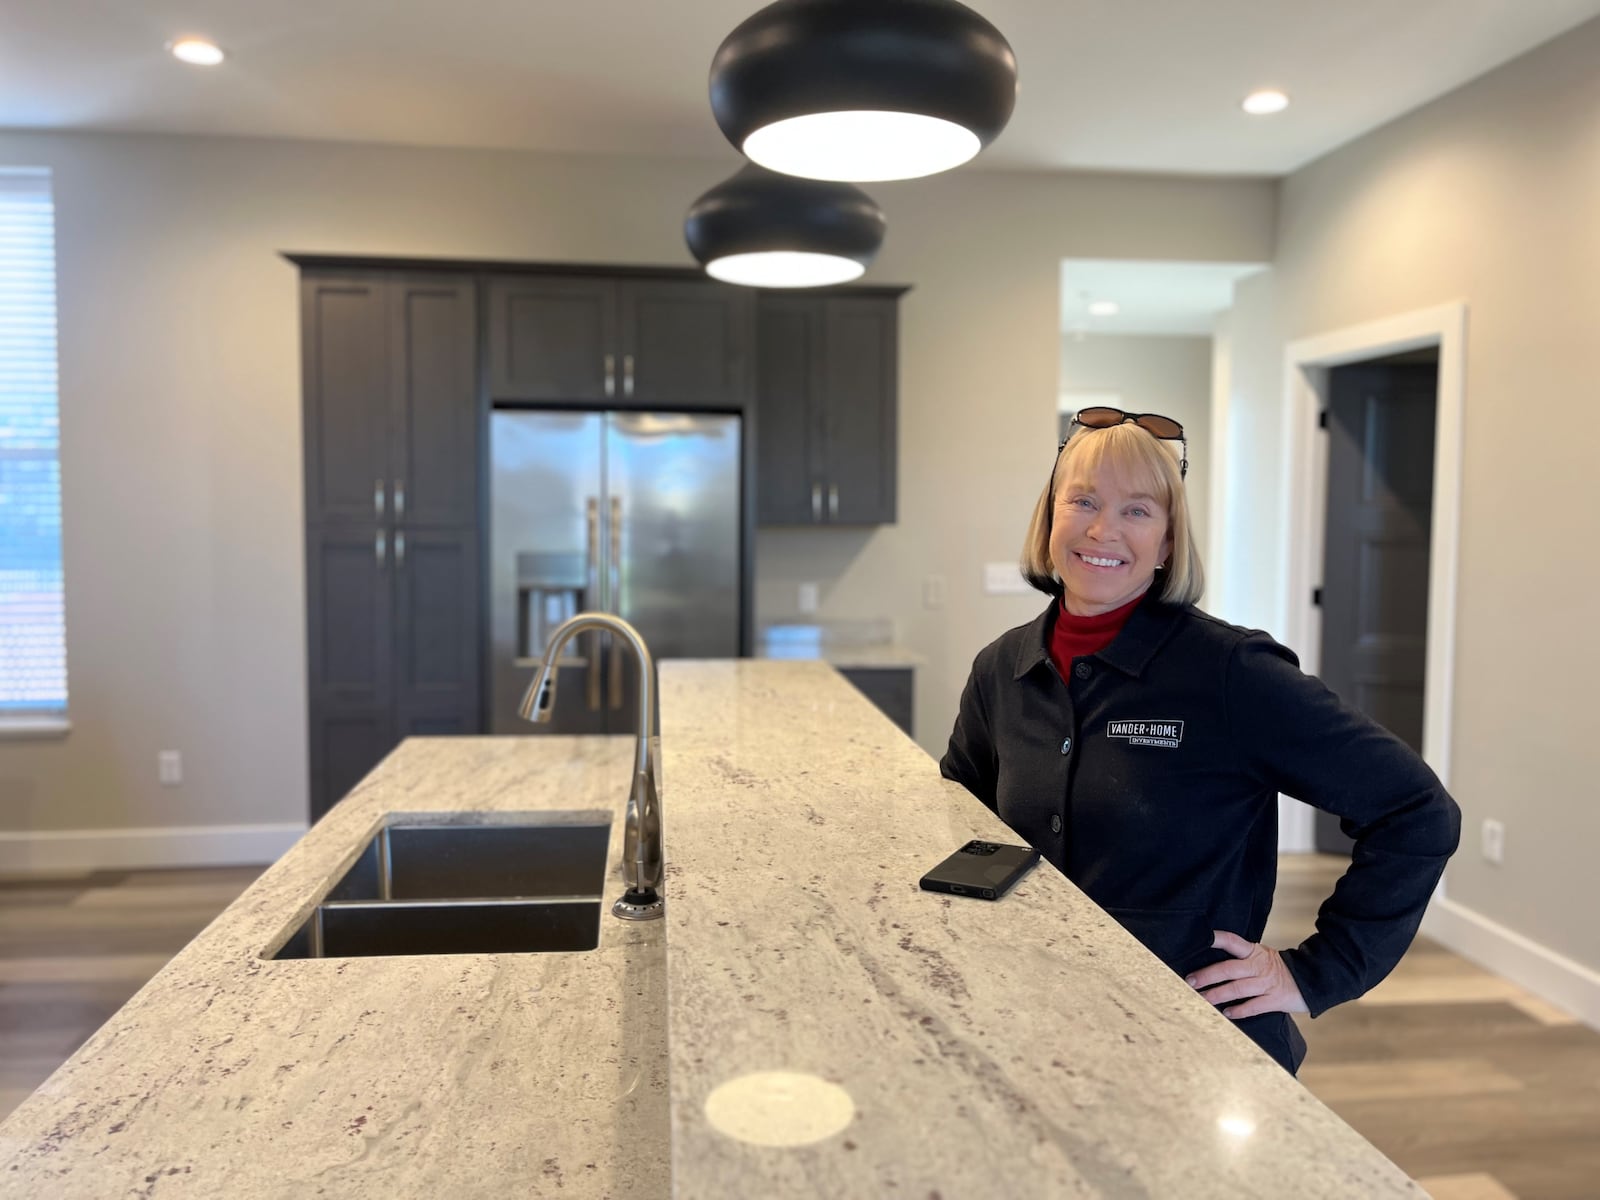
{"x":835,"y":1031}
{"x":828,"y":1029}
{"x":231,"y":1075}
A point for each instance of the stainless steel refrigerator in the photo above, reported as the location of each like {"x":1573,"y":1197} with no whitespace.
{"x":630,"y":513}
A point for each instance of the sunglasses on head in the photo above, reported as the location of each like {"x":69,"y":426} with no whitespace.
{"x":1161,"y":427}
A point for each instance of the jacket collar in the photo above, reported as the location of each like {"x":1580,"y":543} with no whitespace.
{"x":1130,"y":652}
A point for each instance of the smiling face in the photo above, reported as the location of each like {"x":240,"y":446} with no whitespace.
{"x":1108,"y":534}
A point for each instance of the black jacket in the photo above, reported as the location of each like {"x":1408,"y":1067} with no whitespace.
{"x":1150,"y":779}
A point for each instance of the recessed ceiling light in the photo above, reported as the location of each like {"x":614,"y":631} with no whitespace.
{"x":197,"y":51}
{"x":1104,"y":308}
{"x":1262,"y":103}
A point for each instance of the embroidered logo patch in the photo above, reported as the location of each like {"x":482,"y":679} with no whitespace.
{"x":1147,"y":733}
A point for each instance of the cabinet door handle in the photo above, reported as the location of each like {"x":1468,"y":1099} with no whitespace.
{"x":400,"y":548}
{"x":611,"y":375}
{"x":399,"y":498}
{"x":377,"y":497}
{"x":592,"y":601}
{"x":627,"y":375}
{"x":380,"y":547}
{"x":614,"y":686}
{"x":816,"y":502}
{"x":833,"y":502}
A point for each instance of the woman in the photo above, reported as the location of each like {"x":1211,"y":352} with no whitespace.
{"x":1140,"y":745}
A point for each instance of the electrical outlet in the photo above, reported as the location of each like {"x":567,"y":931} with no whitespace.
{"x":808,"y":598}
{"x":169,"y":767}
{"x":1494,"y":842}
{"x":933,"y":591}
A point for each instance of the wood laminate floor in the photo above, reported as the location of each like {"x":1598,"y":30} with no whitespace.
{"x":1480,"y":1090}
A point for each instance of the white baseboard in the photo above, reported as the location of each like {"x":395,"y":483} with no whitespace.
{"x":172,"y":846}
{"x":1552,"y":977}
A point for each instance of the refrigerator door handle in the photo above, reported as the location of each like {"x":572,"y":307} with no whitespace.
{"x":816,"y":502}
{"x":614,"y":689}
{"x":627,"y":375}
{"x":611,"y":375}
{"x":380,"y":546}
{"x":377,"y":497}
{"x":400,"y":548}
{"x":833,"y":502}
{"x":593,"y":601}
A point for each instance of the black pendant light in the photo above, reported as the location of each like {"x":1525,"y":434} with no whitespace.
{"x":863,"y":89}
{"x":763,"y":229}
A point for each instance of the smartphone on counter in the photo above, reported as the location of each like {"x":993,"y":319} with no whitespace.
{"x":987,"y":870}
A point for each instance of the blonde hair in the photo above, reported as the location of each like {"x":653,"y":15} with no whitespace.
{"x":1138,"y":455}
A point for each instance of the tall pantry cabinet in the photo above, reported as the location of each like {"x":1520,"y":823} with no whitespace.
{"x":392,"y":434}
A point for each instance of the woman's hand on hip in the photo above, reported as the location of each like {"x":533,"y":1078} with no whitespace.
{"x":1256,"y":974}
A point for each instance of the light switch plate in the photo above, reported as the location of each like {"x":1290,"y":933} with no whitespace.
{"x":808,"y":598}
{"x":1004,"y":579}
{"x":169,"y":767}
{"x":933,"y":591}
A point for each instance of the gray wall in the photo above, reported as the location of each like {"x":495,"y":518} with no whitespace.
{"x":180,"y":398}
{"x":1489,"y":196}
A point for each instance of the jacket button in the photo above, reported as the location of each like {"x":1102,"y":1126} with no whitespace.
{"x":1066,"y":745}
{"x":1081,"y":670}
{"x":1055,"y":824}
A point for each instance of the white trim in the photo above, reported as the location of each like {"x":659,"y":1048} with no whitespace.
{"x":1305,"y":472}
{"x":174,"y":846}
{"x":1551,"y":976}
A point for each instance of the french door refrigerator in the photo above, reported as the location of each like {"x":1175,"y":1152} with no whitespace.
{"x":631,"y":513}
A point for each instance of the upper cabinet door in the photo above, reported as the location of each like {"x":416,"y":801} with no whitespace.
{"x":685,"y":344}
{"x":344,"y":324}
{"x":435,"y":396}
{"x":789,"y":467}
{"x":554,"y":339}
{"x":860,"y":398}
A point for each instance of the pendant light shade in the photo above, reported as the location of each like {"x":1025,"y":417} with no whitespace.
{"x":763,"y":229}
{"x":863,"y":89}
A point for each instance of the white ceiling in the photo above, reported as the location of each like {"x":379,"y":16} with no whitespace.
{"x":1166,"y":298}
{"x":1149,"y":85}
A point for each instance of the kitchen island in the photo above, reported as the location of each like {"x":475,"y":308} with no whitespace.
{"x":827,"y":1028}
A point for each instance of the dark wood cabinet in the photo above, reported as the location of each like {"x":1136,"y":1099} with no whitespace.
{"x":392,"y":530}
{"x":890,"y":688}
{"x":827,"y":396}
{"x":620,"y":343}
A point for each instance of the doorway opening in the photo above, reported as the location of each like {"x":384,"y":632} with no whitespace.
{"x":1378,"y":505}
{"x":1374,"y":503}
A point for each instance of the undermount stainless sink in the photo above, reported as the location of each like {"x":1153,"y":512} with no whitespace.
{"x":462,"y":889}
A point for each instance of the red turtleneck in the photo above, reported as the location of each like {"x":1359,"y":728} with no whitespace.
{"x":1074,"y":636}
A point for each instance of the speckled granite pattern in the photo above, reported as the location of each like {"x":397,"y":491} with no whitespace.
{"x":1028,"y":1047}
{"x":445,"y":1076}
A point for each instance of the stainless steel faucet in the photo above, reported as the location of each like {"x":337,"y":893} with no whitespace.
{"x":641,"y":844}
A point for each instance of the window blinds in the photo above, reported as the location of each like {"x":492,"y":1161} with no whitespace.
{"x":33,"y":651}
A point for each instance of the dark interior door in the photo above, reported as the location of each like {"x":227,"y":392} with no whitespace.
{"x":1375,"y":567}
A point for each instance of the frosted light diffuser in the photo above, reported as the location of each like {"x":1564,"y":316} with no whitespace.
{"x":860,"y":147}
{"x":784,"y":269}
{"x":197,"y":51}
{"x":1104,"y":308}
{"x":1263,"y":103}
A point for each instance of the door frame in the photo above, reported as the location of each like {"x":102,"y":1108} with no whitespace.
{"x":1305,"y":490}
